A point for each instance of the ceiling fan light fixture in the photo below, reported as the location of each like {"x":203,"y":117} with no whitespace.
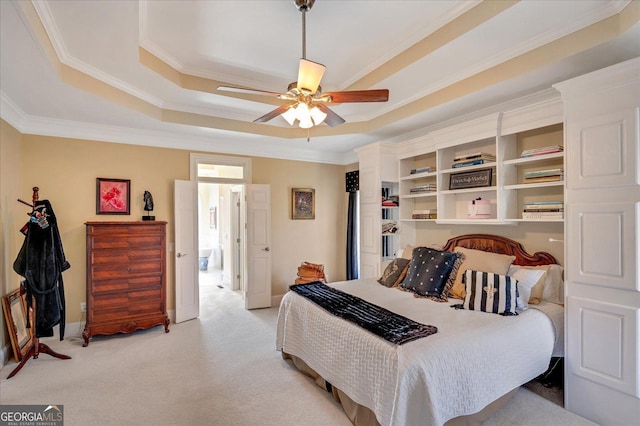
{"x":309,"y":75}
{"x":317,"y":115}
{"x":290,"y":115}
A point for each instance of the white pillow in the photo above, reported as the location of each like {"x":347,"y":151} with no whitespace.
{"x":554,"y":285}
{"x":527,"y":279}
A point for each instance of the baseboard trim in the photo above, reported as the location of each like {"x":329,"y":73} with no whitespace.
{"x":6,"y":353}
{"x":275,"y":300}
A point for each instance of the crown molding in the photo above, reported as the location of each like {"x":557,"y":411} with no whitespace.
{"x":11,"y":113}
{"x":217,"y":143}
{"x":49,"y":24}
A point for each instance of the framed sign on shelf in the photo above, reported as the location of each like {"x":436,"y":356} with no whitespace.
{"x":472,"y":179}
{"x":303,"y":203}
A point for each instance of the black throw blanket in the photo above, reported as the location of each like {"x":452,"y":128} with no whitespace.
{"x":379,"y":321}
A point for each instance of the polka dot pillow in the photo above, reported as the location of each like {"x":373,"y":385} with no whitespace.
{"x":431,"y":272}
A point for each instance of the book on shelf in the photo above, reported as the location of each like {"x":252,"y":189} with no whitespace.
{"x":538,"y":179}
{"x":475,"y":162}
{"x":424,"y":214}
{"x":542,"y":173}
{"x":542,"y":151}
{"x":422,"y":188}
{"x":543,"y":205}
{"x":543,"y":215}
{"x":474,"y":156}
{"x":542,"y":210}
{"x":420,"y":170}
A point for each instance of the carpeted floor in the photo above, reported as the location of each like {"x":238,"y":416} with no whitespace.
{"x":220,"y":369}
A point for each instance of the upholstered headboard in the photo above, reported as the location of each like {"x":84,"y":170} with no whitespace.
{"x":501,"y":245}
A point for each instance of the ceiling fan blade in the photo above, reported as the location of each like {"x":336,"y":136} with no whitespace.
{"x":248,"y":91}
{"x":276,"y":112}
{"x":309,"y":75}
{"x":332,"y":118}
{"x":379,"y":95}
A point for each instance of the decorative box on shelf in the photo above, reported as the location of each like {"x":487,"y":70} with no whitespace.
{"x":479,"y":209}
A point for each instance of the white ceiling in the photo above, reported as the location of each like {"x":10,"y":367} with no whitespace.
{"x":74,"y":69}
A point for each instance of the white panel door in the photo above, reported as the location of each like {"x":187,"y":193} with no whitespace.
{"x":602,"y":195}
{"x":258,"y":276}
{"x":186,"y":250}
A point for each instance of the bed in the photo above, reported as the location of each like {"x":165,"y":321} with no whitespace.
{"x":462,"y":374}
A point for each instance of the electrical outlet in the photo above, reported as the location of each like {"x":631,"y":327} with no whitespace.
{"x":83,"y":307}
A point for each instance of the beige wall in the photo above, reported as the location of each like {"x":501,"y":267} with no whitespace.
{"x":12,"y":213}
{"x":294,"y":241}
{"x":65,"y":170}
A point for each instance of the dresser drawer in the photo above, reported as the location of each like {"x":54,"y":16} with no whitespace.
{"x":124,"y":256}
{"x":123,"y":270}
{"x":126,"y":229}
{"x":120,"y":242}
{"x":127,"y":284}
{"x":113,"y":306}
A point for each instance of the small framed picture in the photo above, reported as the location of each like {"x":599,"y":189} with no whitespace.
{"x":113,"y":196}
{"x":303,"y":203}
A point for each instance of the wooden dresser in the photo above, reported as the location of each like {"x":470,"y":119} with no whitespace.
{"x":126,"y":277}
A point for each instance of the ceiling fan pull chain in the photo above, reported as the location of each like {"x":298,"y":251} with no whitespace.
{"x":309,"y":135}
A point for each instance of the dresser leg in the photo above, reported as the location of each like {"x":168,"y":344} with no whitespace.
{"x":166,"y":325}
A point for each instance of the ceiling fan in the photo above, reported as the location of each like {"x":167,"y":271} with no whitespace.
{"x":308,"y":104}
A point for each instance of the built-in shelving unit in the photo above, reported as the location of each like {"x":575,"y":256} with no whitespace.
{"x":501,"y":146}
{"x":520,"y":193}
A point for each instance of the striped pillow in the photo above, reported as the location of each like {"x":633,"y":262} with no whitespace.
{"x":490,"y":292}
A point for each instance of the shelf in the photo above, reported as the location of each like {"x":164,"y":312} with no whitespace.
{"x":422,"y":175}
{"x":468,"y":190}
{"x":475,"y":221}
{"x":418,"y":220}
{"x":420,"y":195}
{"x":537,"y":220}
{"x":534,"y":159}
{"x":390,"y":234}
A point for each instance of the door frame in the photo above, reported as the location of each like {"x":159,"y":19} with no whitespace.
{"x":198,"y":158}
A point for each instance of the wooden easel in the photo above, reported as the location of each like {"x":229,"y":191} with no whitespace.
{"x":36,"y":347}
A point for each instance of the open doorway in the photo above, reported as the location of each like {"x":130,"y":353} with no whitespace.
{"x":220,"y":260}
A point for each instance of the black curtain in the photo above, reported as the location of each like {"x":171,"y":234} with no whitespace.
{"x":352,"y":182}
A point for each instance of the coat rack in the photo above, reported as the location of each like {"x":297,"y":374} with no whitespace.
{"x":36,"y":347}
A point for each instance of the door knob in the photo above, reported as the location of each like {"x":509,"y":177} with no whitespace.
{"x":266,"y":249}
{"x":181,"y":254}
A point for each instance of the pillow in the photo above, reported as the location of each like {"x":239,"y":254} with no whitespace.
{"x":406,"y":252}
{"x":489,"y":292}
{"x":431,"y":272}
{"x":551,"y":288}
{"x":394,"y":272}
{"x":554,"y":285}
{"x":480,"y":261}
{"x":527,"y":279}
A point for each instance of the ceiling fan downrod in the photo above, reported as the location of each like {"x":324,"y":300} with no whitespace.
{"x":304,"y":6}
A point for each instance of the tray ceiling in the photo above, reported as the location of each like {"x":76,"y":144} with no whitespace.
{"x":146,"y":72}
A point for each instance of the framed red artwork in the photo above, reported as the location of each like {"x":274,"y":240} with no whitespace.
{"x":113,"y":196}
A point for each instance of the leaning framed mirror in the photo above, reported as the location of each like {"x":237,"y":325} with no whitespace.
{"x":15,"y":310}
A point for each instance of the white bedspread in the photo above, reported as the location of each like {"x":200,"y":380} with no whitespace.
{"x":474,"y":358}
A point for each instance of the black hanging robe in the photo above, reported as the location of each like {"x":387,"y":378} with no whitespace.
{"x":41,"y":262}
